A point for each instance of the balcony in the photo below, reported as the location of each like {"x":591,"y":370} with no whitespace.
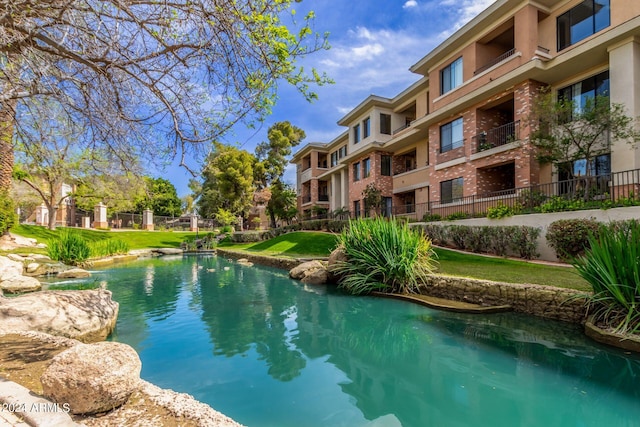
{"x":497,"y":137}
{"x":323,"y":198}
{"x":306,"y":199}
{"x":494,"y":61}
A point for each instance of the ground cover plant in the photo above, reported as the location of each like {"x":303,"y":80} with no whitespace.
{"x":611,"y":265}
{"x":384,"y":255}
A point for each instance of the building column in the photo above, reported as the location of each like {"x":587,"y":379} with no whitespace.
{"x":344,"y":193}
{"x":624,"y":83}
{"x":42,"y":215}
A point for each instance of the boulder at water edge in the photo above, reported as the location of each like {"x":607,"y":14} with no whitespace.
{"x":12,"y":280}
{"x":312,"y":272}
{"x":84,"y":315}
{"x":93,"y":378}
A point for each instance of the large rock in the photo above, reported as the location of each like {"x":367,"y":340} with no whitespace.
{"x":169,"y":251}
{"x":300,"y":271}
{"x":312,"y":272}
{"x":92,"y":378}
{"x":46,"y":268}
{"x":316,"y":276}
{"x":84,"y":315}
{"x":337,"y":257}
{"x":20,"y":284}
{"x":9,"y":268}
{"x":73,"y":273}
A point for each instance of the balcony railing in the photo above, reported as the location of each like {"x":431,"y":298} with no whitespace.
{"x":306,"y":199}
{"x":401,"y":128}
{"x":495,"y":61}
{"x":497,"y":136}
{"x":323,"y":198}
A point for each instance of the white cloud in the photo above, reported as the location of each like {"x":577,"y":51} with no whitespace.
{"x":467,"y":10}
{"x":409,"y":4}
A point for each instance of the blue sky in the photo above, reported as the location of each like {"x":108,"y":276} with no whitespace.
{"x":373,"y":44}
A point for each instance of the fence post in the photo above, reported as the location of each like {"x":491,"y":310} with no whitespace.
{"x":147,"y":220}
{"x":194,"y":223}
{"x":100,"y":216}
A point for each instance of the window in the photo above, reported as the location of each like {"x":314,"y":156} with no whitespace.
{"x":581,"y":21}
{"x":356,"y":171}
{"x":366,"y":167}
{"x":366,"y":127}
{"x":385,"y":124}
{"x":342,"y":151}
{"x":334,"y":158}
{"x":451,"y":136}
{"x":600,"y":165}
{"x":356,"y":208}
{"x":451,"y":191}
{"x":385,"y":165}
{"x":589,"y":88}
{"x":451,"y":76}
{"x":386,"y":206}
{"x":356,"y":134}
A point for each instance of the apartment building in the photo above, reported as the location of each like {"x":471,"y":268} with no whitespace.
{"x":462,"y":129}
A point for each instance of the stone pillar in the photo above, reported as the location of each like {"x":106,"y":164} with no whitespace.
{"x":86,"y":222}
{"x":624,"y":81}
{"x":42,"y":215}
{"x":194,"y":223}
{"x":344,"y":193}
{"x":100,"y":216}
{"x":147,"y":220}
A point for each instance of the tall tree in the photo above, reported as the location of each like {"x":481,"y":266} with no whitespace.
{"x":282,"y":204}
{"x":273,"y":155}
{"x":228,"y":182}
{"x":150,"y":79}
{"x":118,"y":190}
{"x":564,"y":132}
{"x":161,"y":197}
{"x":272,"y":160}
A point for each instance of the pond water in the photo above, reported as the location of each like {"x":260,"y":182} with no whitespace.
{"x":269,"y":351}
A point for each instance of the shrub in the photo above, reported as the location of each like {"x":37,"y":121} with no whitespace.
{"x":610,"y":265}
{"x":457,"y":215}
{"x":524,"y":241}
{"x":478,"y":239}
{"x":570,"y":237}
{"x":251,"y":236}
{"x":8,"y":217}
{"x":383,"y":255}
{"x":531,"y":199}
{"x":69,"y":248}
{"x":336,"y":226}
{"x":500,"y":211}
{"x":436,"y":233}
{"x":431,"y":217}
{"x":499,"y":240}
{"x":459,"y":235}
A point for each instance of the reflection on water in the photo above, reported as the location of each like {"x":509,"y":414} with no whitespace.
{"x":269,"y":351}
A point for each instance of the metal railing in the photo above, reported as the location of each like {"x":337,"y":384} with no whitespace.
{"x":495,"y":61}
{"x":306,"y":199}
{"x":323,"y":198}
{"x":496,"y":137}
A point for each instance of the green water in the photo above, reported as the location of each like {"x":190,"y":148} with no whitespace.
{"x":269,"y":351}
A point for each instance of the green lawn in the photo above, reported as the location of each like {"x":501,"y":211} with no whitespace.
{"x":296,"y":244}
{"x":135,"y":239}
{"x":307,"y":244}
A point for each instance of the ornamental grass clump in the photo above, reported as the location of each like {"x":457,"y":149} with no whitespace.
{"x":383,"y":255}
{"x":69,"y":247}
{"x":611,"y":265}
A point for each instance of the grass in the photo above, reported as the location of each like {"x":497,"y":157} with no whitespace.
{"x":296,"y":244}
{"x":307,"y":244}
{"x":135,"y":239}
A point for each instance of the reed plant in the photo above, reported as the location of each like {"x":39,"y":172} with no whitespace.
{"x":611,"y":265}
{"x":69,"y":247}
{"x":109,"y":247}
{"x":384,"y":255}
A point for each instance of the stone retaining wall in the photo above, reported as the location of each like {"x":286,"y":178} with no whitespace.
{"x":283,"y":263}
{"x":537,"y":300}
